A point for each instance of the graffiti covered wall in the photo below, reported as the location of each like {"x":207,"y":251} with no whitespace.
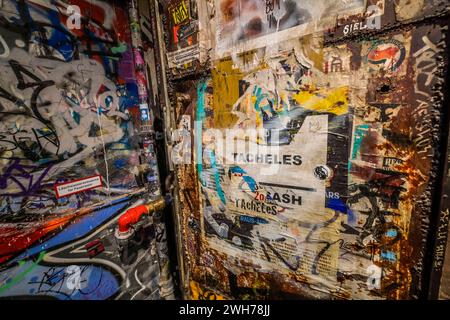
{"x":313,"y":148}
{"x":71,"y":159}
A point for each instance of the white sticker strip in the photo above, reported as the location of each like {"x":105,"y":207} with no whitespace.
{"x":72,"y":187}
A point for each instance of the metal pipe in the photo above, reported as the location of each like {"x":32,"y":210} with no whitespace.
{"x":169,"y":119}
{"x":133,"y":215}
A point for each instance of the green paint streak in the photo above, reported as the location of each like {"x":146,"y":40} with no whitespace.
{"x":199,"y":117}
{"x":121,"y":48}
{"x":360,"y":133}
{"x":21,"y":276}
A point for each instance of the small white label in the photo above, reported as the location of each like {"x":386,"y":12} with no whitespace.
{"x":68,"y":188}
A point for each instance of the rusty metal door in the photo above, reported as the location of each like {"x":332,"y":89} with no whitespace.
{"x":308,"y":141}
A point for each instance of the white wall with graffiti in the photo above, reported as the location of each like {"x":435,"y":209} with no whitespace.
{"x":70,"y":158}
{"x":329,"y":195}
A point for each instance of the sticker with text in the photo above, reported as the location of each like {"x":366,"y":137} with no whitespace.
{"x":66,"y":189}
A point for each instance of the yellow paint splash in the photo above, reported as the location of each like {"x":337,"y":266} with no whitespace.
{"x":324,"y":100}
{"x":197,"y":293}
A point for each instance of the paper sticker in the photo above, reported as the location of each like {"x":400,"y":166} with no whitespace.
{"x":72,"y":187}
{"x":179,"y":13}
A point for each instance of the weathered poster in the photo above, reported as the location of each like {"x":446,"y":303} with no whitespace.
{"x":267,"y":174}
{"x":182,"y":27}
{"x":249,"y":24}
{"x":313,"y":165}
